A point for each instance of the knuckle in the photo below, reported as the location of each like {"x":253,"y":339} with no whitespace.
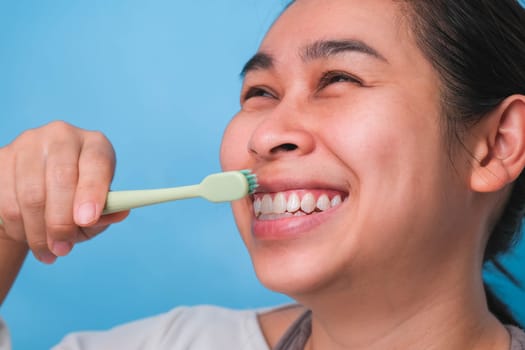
{"x":38,"y":245}
{"x":23,"y":141}
{"x":101,"y":143}
{"x":65,"y":175}
{"x":61,"y":231}
{"x":59,"y":127}
{"x":98,"y":156}
{"x":92,"y":187}
{"x":11,"y":213}
{"x":32,"y":196}
{"x":27,"y":134}
{"x":4,"y":152}
{"x":98,"y":136}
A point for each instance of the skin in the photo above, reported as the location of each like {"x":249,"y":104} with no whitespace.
{"x":55,"y":179}
{"x":398,"y":264}
{"x":403,"y":253}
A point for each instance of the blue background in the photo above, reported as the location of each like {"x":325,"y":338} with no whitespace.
{"x":161,"y":80}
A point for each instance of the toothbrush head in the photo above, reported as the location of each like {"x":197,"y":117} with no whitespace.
{"x":228,"y":186}
{"x":252,"y":180}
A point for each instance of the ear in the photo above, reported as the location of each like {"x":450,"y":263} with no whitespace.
{"x":499,"y":147}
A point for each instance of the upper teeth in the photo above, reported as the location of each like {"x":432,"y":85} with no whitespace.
{"x":279,"y":204}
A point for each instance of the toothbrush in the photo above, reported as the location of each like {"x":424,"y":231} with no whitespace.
{"x":219,"y":187}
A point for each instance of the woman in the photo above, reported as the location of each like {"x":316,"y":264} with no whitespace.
{"x":388,"y":138}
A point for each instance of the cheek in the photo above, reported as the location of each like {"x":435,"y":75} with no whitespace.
{"x":368,"y":142}
{"x":388,"y":150}
{"x":391,"y":131}
{"x":234,"y":153}
{"x":242,"y":215}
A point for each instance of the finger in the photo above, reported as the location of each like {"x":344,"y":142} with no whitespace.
{"x":96,"y":168}
{"x":61,"y":182}
{"x":101,"y":225}
{"x":10,"y":214}
{"x":87,"y":233}
{"x":31,"y":197}
{"x":113,"y":218}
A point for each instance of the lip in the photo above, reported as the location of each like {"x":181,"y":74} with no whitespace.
{"x":292,"y":183}
{"x":293,"y":227}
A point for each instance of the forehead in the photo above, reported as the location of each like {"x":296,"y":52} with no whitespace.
{"x":378,"y":23}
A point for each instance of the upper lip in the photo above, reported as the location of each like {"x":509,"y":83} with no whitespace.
{"x":290,"y":181}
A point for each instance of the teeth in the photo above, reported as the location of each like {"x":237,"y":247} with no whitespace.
{"x":268,"y":208}
{"x":308,"y":203}
{"x":275,"y":216}
{"x":267,"y":204}
{"x":336,"y":201}
{"x":294,"y":203}
{"x":279,"y":203}
{"x":323,"y":203}
{"x":257,"y":206}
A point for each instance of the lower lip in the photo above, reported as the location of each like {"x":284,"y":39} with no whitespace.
{"x":292,"y":227}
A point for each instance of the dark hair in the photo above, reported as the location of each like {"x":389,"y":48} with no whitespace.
{"x":478,"y":49}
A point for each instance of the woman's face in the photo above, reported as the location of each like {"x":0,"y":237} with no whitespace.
{"x":340,"y":120}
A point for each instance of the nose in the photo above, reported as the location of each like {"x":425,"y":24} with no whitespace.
{"x":281,"y":134}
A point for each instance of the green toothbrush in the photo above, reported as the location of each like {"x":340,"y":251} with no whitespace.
{"x":220,"y":187}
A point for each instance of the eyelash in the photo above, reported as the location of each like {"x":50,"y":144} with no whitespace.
{"x":327,"y":78}
{"x":257,"y":92}
{"x":332,"y":77}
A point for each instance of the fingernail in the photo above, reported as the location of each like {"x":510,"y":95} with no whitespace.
{"x":61,"y":248}
{"x":46,"y":257}
{"x":86,"y":214}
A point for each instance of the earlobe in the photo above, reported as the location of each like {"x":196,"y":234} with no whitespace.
{"x":500,"y":147}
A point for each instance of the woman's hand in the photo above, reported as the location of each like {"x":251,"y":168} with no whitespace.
{"x":53,"y":185}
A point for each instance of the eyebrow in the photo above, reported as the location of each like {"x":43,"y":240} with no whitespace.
{"x":317,"y":50}
{"x":327,"y":48}
{"x":260,"y":60}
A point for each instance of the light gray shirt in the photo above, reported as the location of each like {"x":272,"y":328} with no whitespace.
{"x":198,"y":328}
{"x":183,"y":328}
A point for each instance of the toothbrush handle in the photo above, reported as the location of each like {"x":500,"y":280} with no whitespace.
{"x":123,"y":200}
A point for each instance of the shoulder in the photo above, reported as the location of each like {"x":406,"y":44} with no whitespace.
{"x":189,"y":328}
{"x":5,"y":339}
{"x":517,"y":338}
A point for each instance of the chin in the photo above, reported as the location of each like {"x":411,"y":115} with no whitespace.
{"x":297,"y":256}
{"x":291,"y":271}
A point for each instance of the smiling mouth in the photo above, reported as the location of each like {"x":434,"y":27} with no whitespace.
{"x":280,"y":205}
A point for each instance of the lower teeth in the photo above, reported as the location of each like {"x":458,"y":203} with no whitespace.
{"x":282,"y":216}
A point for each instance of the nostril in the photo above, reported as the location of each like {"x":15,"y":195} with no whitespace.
{"x":286,"y":147}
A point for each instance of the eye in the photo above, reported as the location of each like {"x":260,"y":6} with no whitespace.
{"x":333,"y":77}
{"x":257,"y":92}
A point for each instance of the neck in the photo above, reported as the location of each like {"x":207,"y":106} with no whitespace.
{"x":434,"y":315}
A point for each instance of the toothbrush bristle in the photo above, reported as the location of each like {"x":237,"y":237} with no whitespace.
{"x":252,"y":180}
